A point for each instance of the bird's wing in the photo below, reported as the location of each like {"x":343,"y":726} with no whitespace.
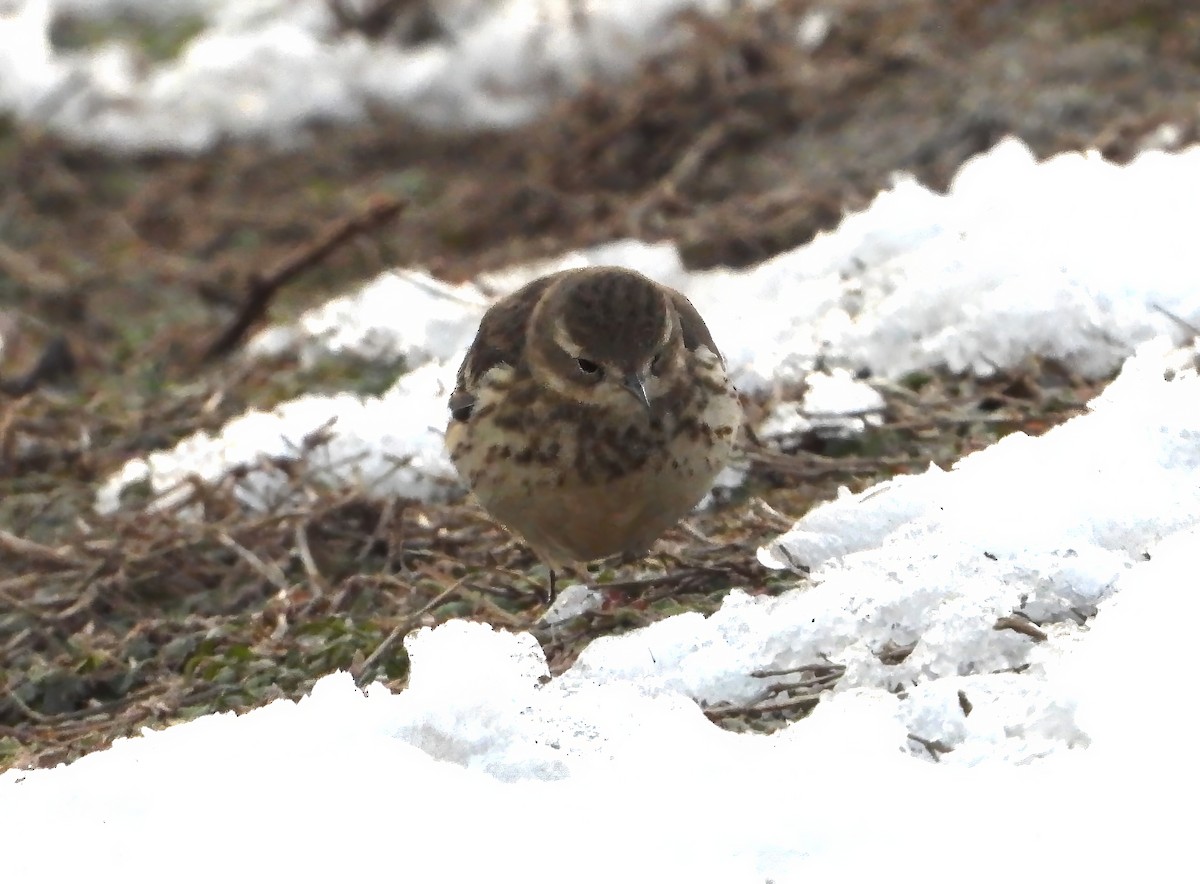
{"x":695,"y":332}
{"x":500,"y":339}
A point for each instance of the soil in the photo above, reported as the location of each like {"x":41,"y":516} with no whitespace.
{"x":118,"y":275}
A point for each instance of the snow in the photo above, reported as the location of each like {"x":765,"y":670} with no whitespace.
{"x":486,"y":766}
{"x":238,"y":75}
{"x":835,"y":403}
{"x":1073,"y":259}
{"x":1068,"y":749}
{"x":401,"y":315}
{"x":341,"y":439}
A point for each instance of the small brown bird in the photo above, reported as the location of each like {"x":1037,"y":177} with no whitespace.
{"x":592,"y":413}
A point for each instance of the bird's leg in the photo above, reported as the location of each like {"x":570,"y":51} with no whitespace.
{"x":569,"y":570}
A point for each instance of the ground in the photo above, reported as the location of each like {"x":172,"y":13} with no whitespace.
{"x":128,"y":280}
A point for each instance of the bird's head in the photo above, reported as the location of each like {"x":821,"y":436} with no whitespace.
{"x":606,"y":337}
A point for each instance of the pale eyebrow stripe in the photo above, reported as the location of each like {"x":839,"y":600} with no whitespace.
{"x":564,"y":341}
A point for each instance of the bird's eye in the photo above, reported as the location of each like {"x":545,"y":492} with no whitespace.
{"x":656,"y":362}
{"x":587,"y":366}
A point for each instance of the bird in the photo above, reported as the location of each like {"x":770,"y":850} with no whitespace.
{"x":591,"y":413}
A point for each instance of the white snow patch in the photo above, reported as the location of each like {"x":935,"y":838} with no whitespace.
{"x":1073,"y":259}
{"x":268,"y":68}
{"x":391,"y":445}
{"x":484,"y":742}
{"x":835,"y":403}
{"x":399,"y":315}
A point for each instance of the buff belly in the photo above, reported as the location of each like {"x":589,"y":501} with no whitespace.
{"x":566,"y":519}
{"x":575,"y":522}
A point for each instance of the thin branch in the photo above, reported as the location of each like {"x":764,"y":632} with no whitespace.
{"x":269,"y":571}
{"x":795,"y":704}
{"x":1178,"y":320}
{"x":309,"y":563}
{"x":38,"y":553}
{"x":1021,"y":625}
{"x":403,"y":628}
{"x":261,"y":288}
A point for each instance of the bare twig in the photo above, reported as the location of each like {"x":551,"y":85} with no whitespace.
{"x":261,"y":288}
{"x":1178,"y":320}
{"x":403,"y":628}
{"x":801,"y":703}
{"x":813,"y":466}
{"x":1021,"y":625}
{"x":26,"y":270}
{"x":310,"y":564}
{"x":818,"y":669}
{"x":935,"y":748}
{"x":38,"y":553}
{"x":269,"y":571}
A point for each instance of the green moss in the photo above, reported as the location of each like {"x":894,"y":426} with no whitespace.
{"x":157,"y":40}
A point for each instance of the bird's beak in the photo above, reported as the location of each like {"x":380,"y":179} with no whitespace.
{"x":635,"y":383}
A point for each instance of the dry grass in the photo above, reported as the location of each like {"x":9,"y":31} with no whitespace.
{"x":110,"y":624}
